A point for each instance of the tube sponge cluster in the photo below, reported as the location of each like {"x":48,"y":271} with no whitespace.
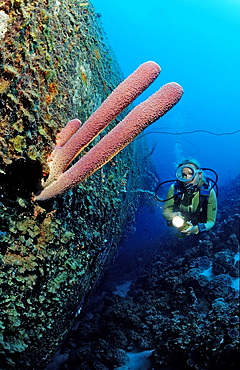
{"x":123,"y":95}
{"x":74,"y":137}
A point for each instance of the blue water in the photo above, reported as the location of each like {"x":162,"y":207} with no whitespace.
{"x":196,"y":43}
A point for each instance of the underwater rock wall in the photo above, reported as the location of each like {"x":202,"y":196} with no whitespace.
{"x":55,"y":65}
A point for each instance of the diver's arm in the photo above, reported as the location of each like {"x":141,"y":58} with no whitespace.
{"x":168,"y":205}
{"x":211,"y":213}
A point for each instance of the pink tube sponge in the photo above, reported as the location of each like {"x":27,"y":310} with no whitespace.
{"x":61,"y":139}
{"x":119,"y":137}
{"x":67,"y":132}
{"x":123,"y":95}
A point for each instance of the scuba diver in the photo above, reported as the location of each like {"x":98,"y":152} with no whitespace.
{"x":191,"y":202}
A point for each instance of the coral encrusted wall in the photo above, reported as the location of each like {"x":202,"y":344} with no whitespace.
{"x":55,"y":65}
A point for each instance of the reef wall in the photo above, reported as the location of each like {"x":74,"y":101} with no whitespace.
{"x":55,"y":65}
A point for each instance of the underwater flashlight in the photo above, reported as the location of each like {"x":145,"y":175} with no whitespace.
{"x":178,"y":221}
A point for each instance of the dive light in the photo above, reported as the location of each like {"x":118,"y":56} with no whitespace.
{"x":179,"y":222}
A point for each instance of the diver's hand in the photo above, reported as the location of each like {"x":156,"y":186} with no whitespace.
{"x":191,"y":229}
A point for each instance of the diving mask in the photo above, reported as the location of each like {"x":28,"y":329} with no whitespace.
{"x":186,"y":173}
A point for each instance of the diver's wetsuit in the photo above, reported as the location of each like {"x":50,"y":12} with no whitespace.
{"x":188,"y":207}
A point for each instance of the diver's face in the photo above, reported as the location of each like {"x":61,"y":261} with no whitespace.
{"x":187,"y":173}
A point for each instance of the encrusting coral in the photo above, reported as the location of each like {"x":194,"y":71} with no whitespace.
{"x":73,"y":138}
